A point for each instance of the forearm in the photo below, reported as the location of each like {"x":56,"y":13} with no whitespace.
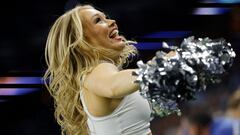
{"x":123,"y":83}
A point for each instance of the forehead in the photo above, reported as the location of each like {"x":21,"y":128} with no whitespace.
{"x":88,"y":13}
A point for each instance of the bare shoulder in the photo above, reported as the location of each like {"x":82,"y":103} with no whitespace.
{"x":105,"y":67}
{"x":99,"y":76}
{"x":97,"y":90}
{"x":103,"y":70}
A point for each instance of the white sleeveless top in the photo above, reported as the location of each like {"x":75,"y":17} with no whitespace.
{"x":131,"y":117}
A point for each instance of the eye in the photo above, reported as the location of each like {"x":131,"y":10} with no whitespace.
{"x":107,"y":17}
{"x":97,"y":20}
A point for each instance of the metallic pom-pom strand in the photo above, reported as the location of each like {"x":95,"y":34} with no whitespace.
{"x":167,"y":81}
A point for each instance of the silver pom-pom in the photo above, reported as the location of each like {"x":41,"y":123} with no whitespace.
{"x":167,"y":81}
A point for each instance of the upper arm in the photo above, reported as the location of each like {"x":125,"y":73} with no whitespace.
{"x":107,"y":81}
{"x":98,"y":81}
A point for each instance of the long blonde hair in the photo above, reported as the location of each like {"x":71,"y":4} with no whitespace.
{"x":69,"y":58}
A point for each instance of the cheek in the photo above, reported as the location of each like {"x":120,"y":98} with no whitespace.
{"x":95,"y":39}
{"x":90,"y":36}
{"x":97,"y":34}
{"x":100,"y":34}
{"x":100,"y":29}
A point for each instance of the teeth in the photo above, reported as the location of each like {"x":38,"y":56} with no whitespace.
{"x":115,"y":32}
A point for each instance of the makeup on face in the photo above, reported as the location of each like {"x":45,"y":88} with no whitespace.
{"x":101,"y":30}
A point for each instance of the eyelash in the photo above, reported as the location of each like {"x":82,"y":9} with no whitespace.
{"x":107,"y":17}
{"x":98,"y":19}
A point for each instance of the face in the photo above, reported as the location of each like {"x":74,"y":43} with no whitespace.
{"x":100,"y":30}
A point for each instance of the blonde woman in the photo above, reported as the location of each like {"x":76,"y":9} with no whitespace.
{"x":92,"y":95}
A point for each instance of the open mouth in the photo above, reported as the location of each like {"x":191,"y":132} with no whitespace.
{"x":114,"y":34}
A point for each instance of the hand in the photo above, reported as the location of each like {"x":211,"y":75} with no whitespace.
{"x":171,"y":54}
{"x":151,"y":61}
{"x":168,"y":55}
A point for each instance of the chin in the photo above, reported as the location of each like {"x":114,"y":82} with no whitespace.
{"x":120,"y":46}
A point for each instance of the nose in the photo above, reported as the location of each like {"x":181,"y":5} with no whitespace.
{"x":111,"y":23}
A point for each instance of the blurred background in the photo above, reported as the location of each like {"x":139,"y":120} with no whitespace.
{"x":26,"y":107}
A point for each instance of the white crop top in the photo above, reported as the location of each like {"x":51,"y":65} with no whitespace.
{"x":131,"y":117}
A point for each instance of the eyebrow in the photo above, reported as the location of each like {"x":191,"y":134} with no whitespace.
{"x":97,"y":15}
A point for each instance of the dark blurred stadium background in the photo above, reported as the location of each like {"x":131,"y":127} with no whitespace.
{"x":26,"y":107}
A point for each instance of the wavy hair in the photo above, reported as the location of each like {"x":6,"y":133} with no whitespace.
{"x":69,"y":57}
